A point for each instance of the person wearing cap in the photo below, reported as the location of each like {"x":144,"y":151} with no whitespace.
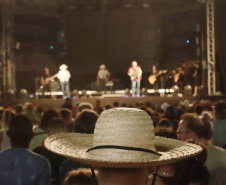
{"x":103,"y":76}
{"x":123,"y":148}
{"x":135,"y":74}
{"x":64,"y":76}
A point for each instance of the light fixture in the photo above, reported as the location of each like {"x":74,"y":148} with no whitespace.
{"x":75,"y":94}
{"x":188,"y":90}
{"x":176,"y":90}
{"x":144,"y":92}
{"x":127,"y":93}
{"x":10,"y":94}
{"x":23,"y":94}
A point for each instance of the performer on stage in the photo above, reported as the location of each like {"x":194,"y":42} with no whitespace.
{"x":64,"y":76}
{"x":135,"y":74}
{"x":197,"y":79}
{"x":179,"y":78}
{"x":103,"y":76}
{"x":45,"y":81}
{"x":154,"y":78}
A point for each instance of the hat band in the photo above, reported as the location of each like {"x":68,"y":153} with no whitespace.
{"x":123,"y":148}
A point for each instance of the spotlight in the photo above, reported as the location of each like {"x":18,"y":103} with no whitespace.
{"x":84,"y":94}
{"x":188,"y":90}
{"x":23,"y":94}
{"x":176,"y":90}
{"x":10,"y":94}
{"x":201,"y":91}
{"x":127,"y":93}
{"x":75,"y":93}
{"x":144,"y":92}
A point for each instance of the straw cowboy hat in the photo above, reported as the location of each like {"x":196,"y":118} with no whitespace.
{"x":102,"y":66}
{"x":123,"y":137}
{"x":63,"y":66}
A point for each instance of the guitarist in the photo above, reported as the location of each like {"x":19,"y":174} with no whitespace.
{"x":154,"y":78}
{"x":45,"y":81}
{"x":179,"y":78}
{"x":135,"y":74}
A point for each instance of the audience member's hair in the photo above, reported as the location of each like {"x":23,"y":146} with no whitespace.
{"x":85,"y":122}
{"x":47,"y":116}
{"x":171,"y":112}
{"x":19,"y":109}
{"x":67,"y":105}
{"x":20,"y":130}
{"x":65,"y":113}
{"x":56,"y":125}
{"x":198,"y":109}
{"x":80,"y":176}
{"x":7,"y":116}
{"x":203,"y":129}
{"x":115,"y":104}
{"x":164,"y":122}
{"x":84,"y":105}
{"x":108,"y":106}
{"x":165,"y":132}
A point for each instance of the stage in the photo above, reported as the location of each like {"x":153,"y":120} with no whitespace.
{"x":55,"y":101}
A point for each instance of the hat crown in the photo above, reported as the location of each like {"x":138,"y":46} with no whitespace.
{"x":63,"y":66}
{"x":127,"y":127}
{"x":123,"y":137}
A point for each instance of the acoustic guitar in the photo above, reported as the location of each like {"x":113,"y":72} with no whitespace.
{"x":47,"y":80}
{"x":152,"y":78}
{"x":176,"y":77}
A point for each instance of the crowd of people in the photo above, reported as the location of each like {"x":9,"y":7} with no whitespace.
{"x":132,"y":144}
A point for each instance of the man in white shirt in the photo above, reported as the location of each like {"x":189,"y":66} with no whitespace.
{"x":64,"y":76}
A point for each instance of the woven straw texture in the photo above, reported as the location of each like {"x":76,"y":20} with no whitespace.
{"x":126,"y":127}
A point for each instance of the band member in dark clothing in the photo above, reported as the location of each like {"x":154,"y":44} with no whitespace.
{"x":45,"y":81}
{"x":179,"y":78}
{"x":154,"y":78}
{"x":197,"y":79}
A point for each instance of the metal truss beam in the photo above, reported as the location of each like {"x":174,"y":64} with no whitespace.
{"x":8,"y":66}
{"x":211,"y":47}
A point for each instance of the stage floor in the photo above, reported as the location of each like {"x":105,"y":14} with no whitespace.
{"x":56,"y":102}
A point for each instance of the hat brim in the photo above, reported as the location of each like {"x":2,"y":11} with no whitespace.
{"x":75,"y":146}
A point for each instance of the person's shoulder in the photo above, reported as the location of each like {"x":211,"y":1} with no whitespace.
{"x":220,"y":124}
{"x":216,"y":151}
{"x":37,"y":158}
{"x":5,"y":152}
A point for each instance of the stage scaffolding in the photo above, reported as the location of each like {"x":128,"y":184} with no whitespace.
{"x":7,"y":47}
{"x":7,"y":65}
{"x":211,"y":47}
